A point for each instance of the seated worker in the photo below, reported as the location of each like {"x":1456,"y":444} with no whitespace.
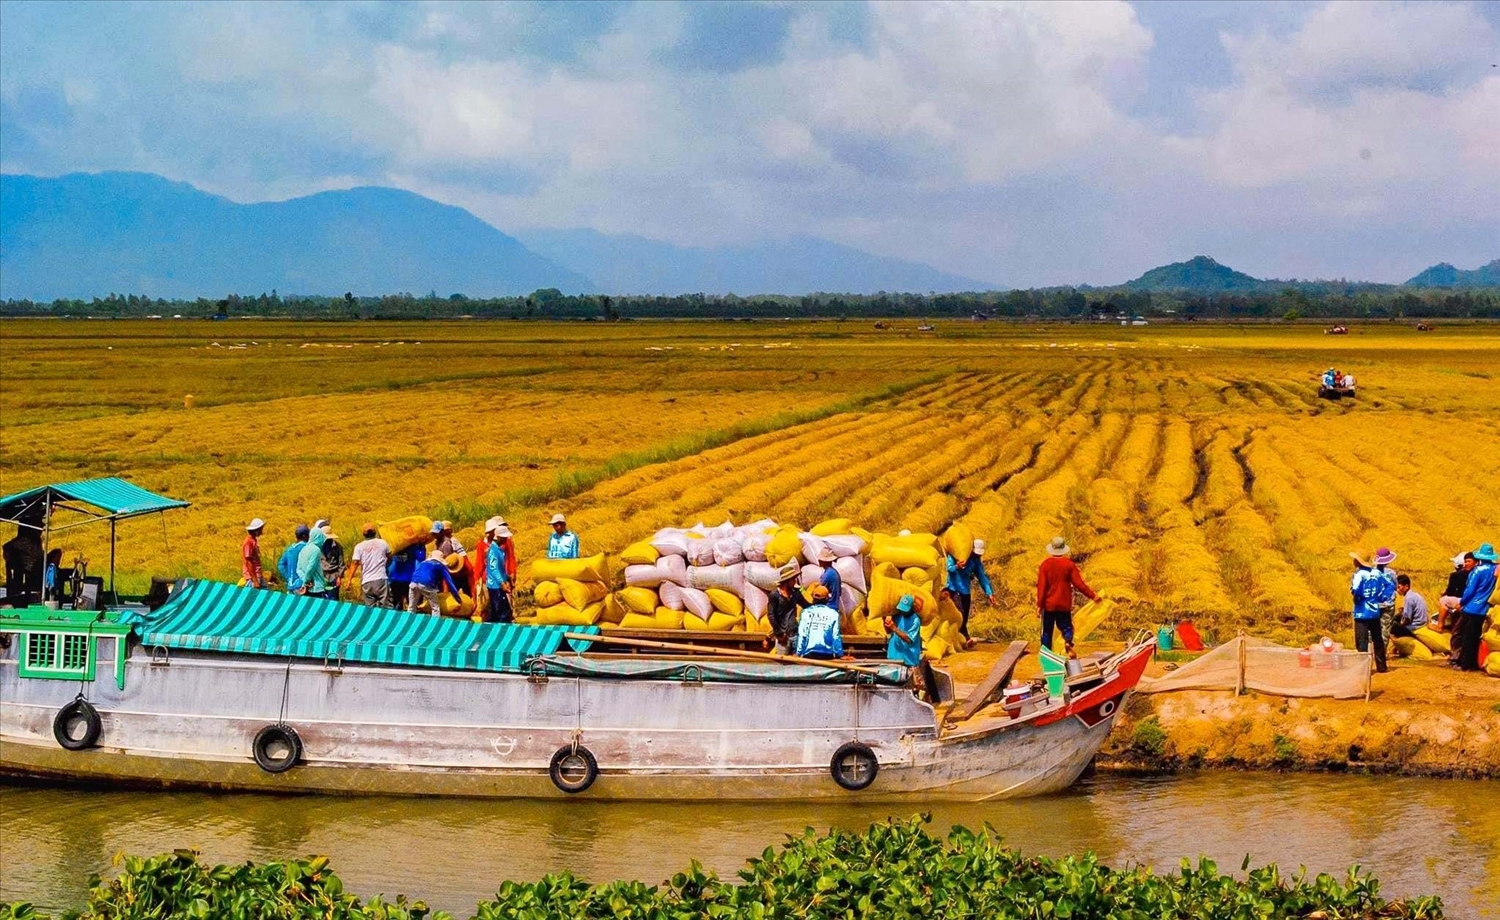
{"x":1458,"y":580}
{"x":1330,"y":377}
{"x":427,"y":581}
{"x":818,"y":633}
{"x":1413,"y":612}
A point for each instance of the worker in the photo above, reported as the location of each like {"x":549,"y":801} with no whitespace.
{"x":250,"y":567}
{"x":1453,"y":592}
{"x":287,"y":564}
{"x":372,"y":556}
{"x":427,"y":582}
{"x":1413,"y":615}
{"x":563,"y":544}
{"x":782,"y":609}
{"x":818,"y":633}
{"x":401,"y":568}
{"x":25,"y":565}
{"x":310,"y":573}
{"x":333,"y":558}
{"x":497,"y":580}
{"x":463,"y":574}
{"x":1387,"y":600}
{"x":1474,"y":606}
{"x":1330,"y":378}
{"x":1366,"y":588}
{"x":960,"y":586}
{"x":1056,"y":579}
{"x":904,"y":633}
{"x":447,"y":543}
{"x":830,"y":578}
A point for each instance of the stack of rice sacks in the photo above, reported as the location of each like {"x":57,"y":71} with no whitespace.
{"x":573,"y":592}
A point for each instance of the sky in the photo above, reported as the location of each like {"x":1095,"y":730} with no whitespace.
{"x":1022,"y":144}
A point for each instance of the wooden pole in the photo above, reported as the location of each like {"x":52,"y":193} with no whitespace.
{"x":727,"y":652}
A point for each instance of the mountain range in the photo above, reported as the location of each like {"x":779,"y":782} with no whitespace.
{"x":1203,"y":275}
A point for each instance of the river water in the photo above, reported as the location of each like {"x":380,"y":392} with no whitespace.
{"x":1418,"y":836}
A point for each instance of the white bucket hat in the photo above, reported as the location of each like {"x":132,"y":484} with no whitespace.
{"x":491,"y":524}
{"x":255,"y":524}
{"x":502,"y":532}
{"x":1058,"y":547}
{"x":558,"y":519}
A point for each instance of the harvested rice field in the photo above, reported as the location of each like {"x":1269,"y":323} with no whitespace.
{"x":1193,"y":469}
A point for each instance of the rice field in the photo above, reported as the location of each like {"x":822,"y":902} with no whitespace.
{"x":1193,"y":469}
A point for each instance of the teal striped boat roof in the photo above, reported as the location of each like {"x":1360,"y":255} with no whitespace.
{"x":219,"y":617}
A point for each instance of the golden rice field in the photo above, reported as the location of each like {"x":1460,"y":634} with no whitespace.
{"x":1192,"y":468}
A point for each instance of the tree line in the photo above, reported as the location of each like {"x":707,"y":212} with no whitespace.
{"x":1329,"y":301}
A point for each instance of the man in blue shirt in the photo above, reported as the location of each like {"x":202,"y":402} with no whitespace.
{"x":401,"y":568}
{"x":818,"y":634}
{"x":287,"y":564}
{"x":1474,"y":606}
{"x":427,"y":583}
{"x":563,"y":544}
{"x":497,"y":578}
{"x":960,"y":585}
{"x":904,"y":630}
{"x":1366,"y":588}
{"x":830,"y":578}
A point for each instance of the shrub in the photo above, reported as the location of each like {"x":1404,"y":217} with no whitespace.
{"x":1149,"y":738}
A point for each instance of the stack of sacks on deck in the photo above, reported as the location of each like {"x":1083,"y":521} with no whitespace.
{"x":720,"y":578}
{"x":573,"y":592}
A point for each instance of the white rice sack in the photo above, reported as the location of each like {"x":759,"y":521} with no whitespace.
{"x":851,"y":571}
{"x":845,"y":544}
{"x":812,"y":546}
{"x":756,"y":601}
{"x":669,"y":541}
{"x":697,"y":602}
{"x":727,"y":551}
{"x":720,"y":532}
{"x":644,"y":576}
{"x":761,"y":575}
{"x":764,"y":525}
{"x":730,"y":578}
{"x":673,"y":569}
{"x":849,"y":600}
{"x":754,"y":547}
{"x":811,"y":575}
{"x":674,"y":597}
{"x":700,"y":552}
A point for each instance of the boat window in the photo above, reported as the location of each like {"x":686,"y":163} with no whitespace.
{"x":66,"y":656}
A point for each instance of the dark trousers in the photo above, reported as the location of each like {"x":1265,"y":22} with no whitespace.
{"x":399,"y":590}
{"x":1063,"y":620}
{"x":1366,"y":633}
{"x":500,"y":610}
{"x":963,"y":602}
{"x":1470,"y":628}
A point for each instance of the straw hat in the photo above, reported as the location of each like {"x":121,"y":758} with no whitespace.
{"x":1458,"y":561}
{"x":1058,"y":547}
{"x":558,"y":519}
{"x":826,"y":554}
{"x":455,"y":562}
{"x":255,"y":524}
{"x":788,"y":572}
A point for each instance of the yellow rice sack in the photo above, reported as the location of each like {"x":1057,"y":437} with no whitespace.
{"x":833,"y":527}
{"x":1492,"y":638}
{"x":1085,"y":620}
{"x":716,"y":622}
{"x":916,"y":576}
{"x":614,"y":611}
{"x":1438,"y":642}
{"x":935,"y":649}
{"x":760,"y":625}
{"x":724,"y":602}
{"x":580,"y":594}
{"x":958,"y":542}
{"x":886,"y":592}
{"x":783,"y":546}
{"x":639,"y":621}
{"x":589,"y":568}
{"x":949,"y":633}
{"x":873,"y":626}
{"x":667,"y":618}
{"x":639,"y":554}
{"x":547,"y":594}
{"x":948,"y":611}
{"x":1492,"y":664}
{"x":638,"y":600}
{"x":566,"y":615}
{"x":903,"y":552}
{"x":404,"y":533}
{"x":1408,"y":647}
{"x":863,"y":534}
{"x":460,"y":606}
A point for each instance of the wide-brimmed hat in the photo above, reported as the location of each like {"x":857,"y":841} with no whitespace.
{"x":826,"y":554}
{"x":1359,"y":560}
{"x":491,"y":524}
{"x":1384,"y":556}
{"x":437,"y":526}
{"x":979,"y":547}
{"x":255,"y":524}
{"x":1485,"y":552}
{"x":502,"y":532}
{"x":558,"y":519}
{"x":455,"y":562}
{"x":788,"y":572}
{"x":320,"y":523}
{"x":1058,"y":547}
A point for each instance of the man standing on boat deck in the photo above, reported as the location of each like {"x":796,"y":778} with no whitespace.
{"x":371,"y":556}
{"x":818,"y":634}
{"x":250,"y":566}
{"x":782,"y":608}
{"x":960,"y":586}
{"x":563,"y":544}
{"x":427,"y":583}
{"x":497,"y":579}
{"x":1056,"y":579}
{"x":310,"y":565}
{"x":287,"y":564}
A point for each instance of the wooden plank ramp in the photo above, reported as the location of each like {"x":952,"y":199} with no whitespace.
{"x":992,"y":682}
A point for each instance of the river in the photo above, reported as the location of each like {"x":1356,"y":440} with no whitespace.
{"x":1419,"y":836}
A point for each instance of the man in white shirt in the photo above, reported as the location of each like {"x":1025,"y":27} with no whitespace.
{"x":371,"y":556}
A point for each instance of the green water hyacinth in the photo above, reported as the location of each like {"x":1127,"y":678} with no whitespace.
{"x":892,"y":870}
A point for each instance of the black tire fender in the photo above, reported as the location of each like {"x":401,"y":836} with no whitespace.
{"x":68,"y":718}
{"x":573,"y":769}
{"x":277,"y":748}
{"x":854,"y":766}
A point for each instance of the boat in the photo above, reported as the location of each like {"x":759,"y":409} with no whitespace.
{"x":224,"y":687}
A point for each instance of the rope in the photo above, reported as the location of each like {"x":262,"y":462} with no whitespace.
{"x":286,"y":689}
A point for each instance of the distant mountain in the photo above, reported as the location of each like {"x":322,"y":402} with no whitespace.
{"x":1443,"y":275}
{"x":800,"y":265}
{"x":87,"y":235}
{"x":1199,"y":274}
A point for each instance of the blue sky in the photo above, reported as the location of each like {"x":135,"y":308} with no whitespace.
{"x":1023,"y":144}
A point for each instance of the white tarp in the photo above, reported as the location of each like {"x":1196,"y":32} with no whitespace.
{"x":1262,"y":666}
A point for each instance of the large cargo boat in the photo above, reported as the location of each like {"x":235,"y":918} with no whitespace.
{"x":232,"y":688}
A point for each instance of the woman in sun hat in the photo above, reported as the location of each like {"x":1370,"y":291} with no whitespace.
{"x":1474,"y":606}
{"x":1383,"y":558}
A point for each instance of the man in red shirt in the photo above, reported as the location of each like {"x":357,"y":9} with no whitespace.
{"x":1055,"y":581}
{"x":250,"y":555}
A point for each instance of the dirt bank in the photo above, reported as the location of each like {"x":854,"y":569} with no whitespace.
{"x":1423,"y":719}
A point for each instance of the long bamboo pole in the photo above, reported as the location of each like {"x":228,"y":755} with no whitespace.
{"x":727,"y":652}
